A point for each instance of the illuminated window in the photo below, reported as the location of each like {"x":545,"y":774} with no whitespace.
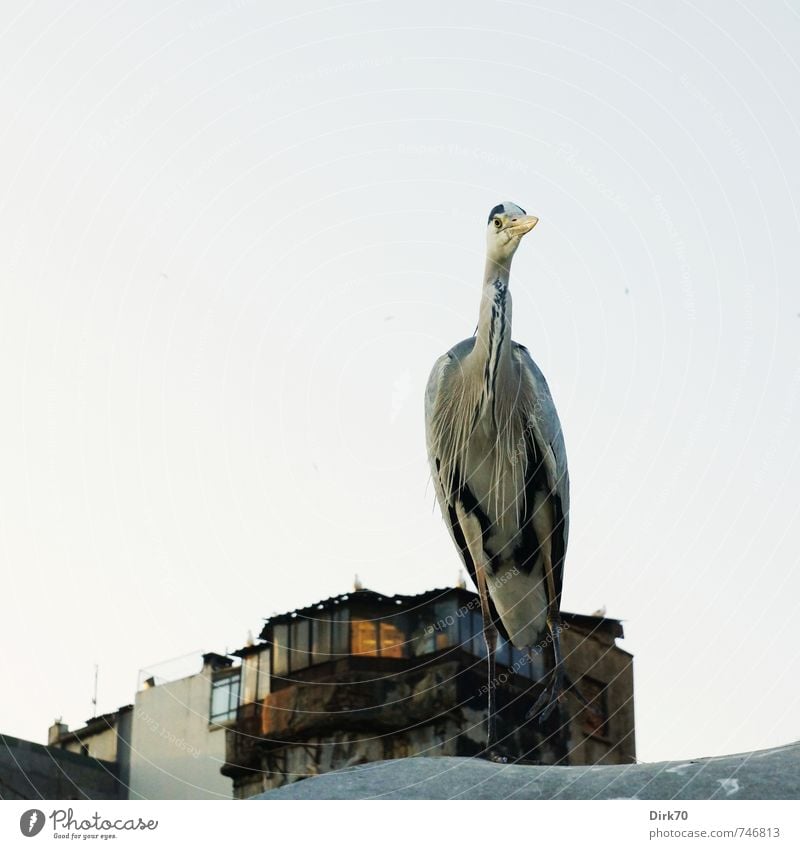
{"x":371,"y":638}
{"x":363,"y":637}
{"x":392,"y":640}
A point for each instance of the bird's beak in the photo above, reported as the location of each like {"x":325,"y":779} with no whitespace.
{"x":522,"y":225}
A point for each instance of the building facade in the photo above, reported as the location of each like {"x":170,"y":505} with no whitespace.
{"x":363,"y":677}
{"x":178,"y":735}
{"x":170,"y":744}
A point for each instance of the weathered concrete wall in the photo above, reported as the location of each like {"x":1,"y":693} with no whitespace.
{"x":33,"y":771}
{"x":101,"y":744}
{"x":591,"y":658}
{"x":175,"y":753}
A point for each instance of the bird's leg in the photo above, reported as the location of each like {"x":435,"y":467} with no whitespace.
{"x":490,"y":636}
{"x":560,"y":682}
{"x":549,"y":697}
{"x":473,"y":537}
{"x":552,"y":693}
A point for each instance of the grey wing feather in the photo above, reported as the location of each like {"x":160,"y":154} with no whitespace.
{"x":437,"y":376}
{"x":436,"y":381}
{"x":437,"y":386}
{"x":550,"y":426}
{"x":549,"y":429}
{"x":441,"y":373}
{"x":547,"y":435}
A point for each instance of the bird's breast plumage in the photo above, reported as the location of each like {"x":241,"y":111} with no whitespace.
{"x":501,"y":465}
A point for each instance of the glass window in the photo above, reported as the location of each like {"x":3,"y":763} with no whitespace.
{"x":594,"y":719}
{"x":421,"y":633}
{"x":340,"y":632}
{"x":521,"y":663}
{"x":392,"y":638}
{"x":465,"y":629}
{"x":478,"y":643}
{"x":446,"y":623}
{"x":503,"y":653}
{"x":537,"y":665}
{"x":321,"y":639}
{"x":363,"y":637}
{"x":249,"y":678}
{"x":225,"y":697}
{"x":262,"y":684}
{"x":280,"y":650}
{"x":299,"y":651}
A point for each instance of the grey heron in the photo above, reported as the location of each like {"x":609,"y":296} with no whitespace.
{"x":499,"y":468}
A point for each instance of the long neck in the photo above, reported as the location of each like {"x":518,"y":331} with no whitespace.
{"x":493,"y":343}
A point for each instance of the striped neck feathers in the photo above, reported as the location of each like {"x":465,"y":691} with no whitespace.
{"x":492,"y":350}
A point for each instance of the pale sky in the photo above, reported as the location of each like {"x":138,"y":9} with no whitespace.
{"x":235,"y":237}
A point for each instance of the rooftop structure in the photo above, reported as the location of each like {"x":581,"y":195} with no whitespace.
{"x":364,"y":676}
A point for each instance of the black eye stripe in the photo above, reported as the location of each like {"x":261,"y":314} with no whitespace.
{"x":498,"y":210}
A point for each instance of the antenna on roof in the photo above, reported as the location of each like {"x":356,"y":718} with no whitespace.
{"x":357,"y":585}
{"x":94,"y":697}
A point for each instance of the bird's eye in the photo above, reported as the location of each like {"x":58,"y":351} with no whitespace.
{"x":497,"y":223}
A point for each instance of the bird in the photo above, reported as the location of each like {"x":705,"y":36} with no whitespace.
{"x":499,"y":468}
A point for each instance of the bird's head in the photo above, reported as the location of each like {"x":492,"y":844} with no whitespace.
{"x":508,"y":223}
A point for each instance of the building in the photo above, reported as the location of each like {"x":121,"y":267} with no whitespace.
{"x":105,"y":738}
{"x":179,"y":735}
{"x":364,"y":677}
{"x":356,"y":678}
{"x":170,"y":744}
{"x":31,"y":770}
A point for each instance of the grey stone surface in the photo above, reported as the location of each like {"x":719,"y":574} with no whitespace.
{"x":766,"y":774}
{"x":32,"y":771}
